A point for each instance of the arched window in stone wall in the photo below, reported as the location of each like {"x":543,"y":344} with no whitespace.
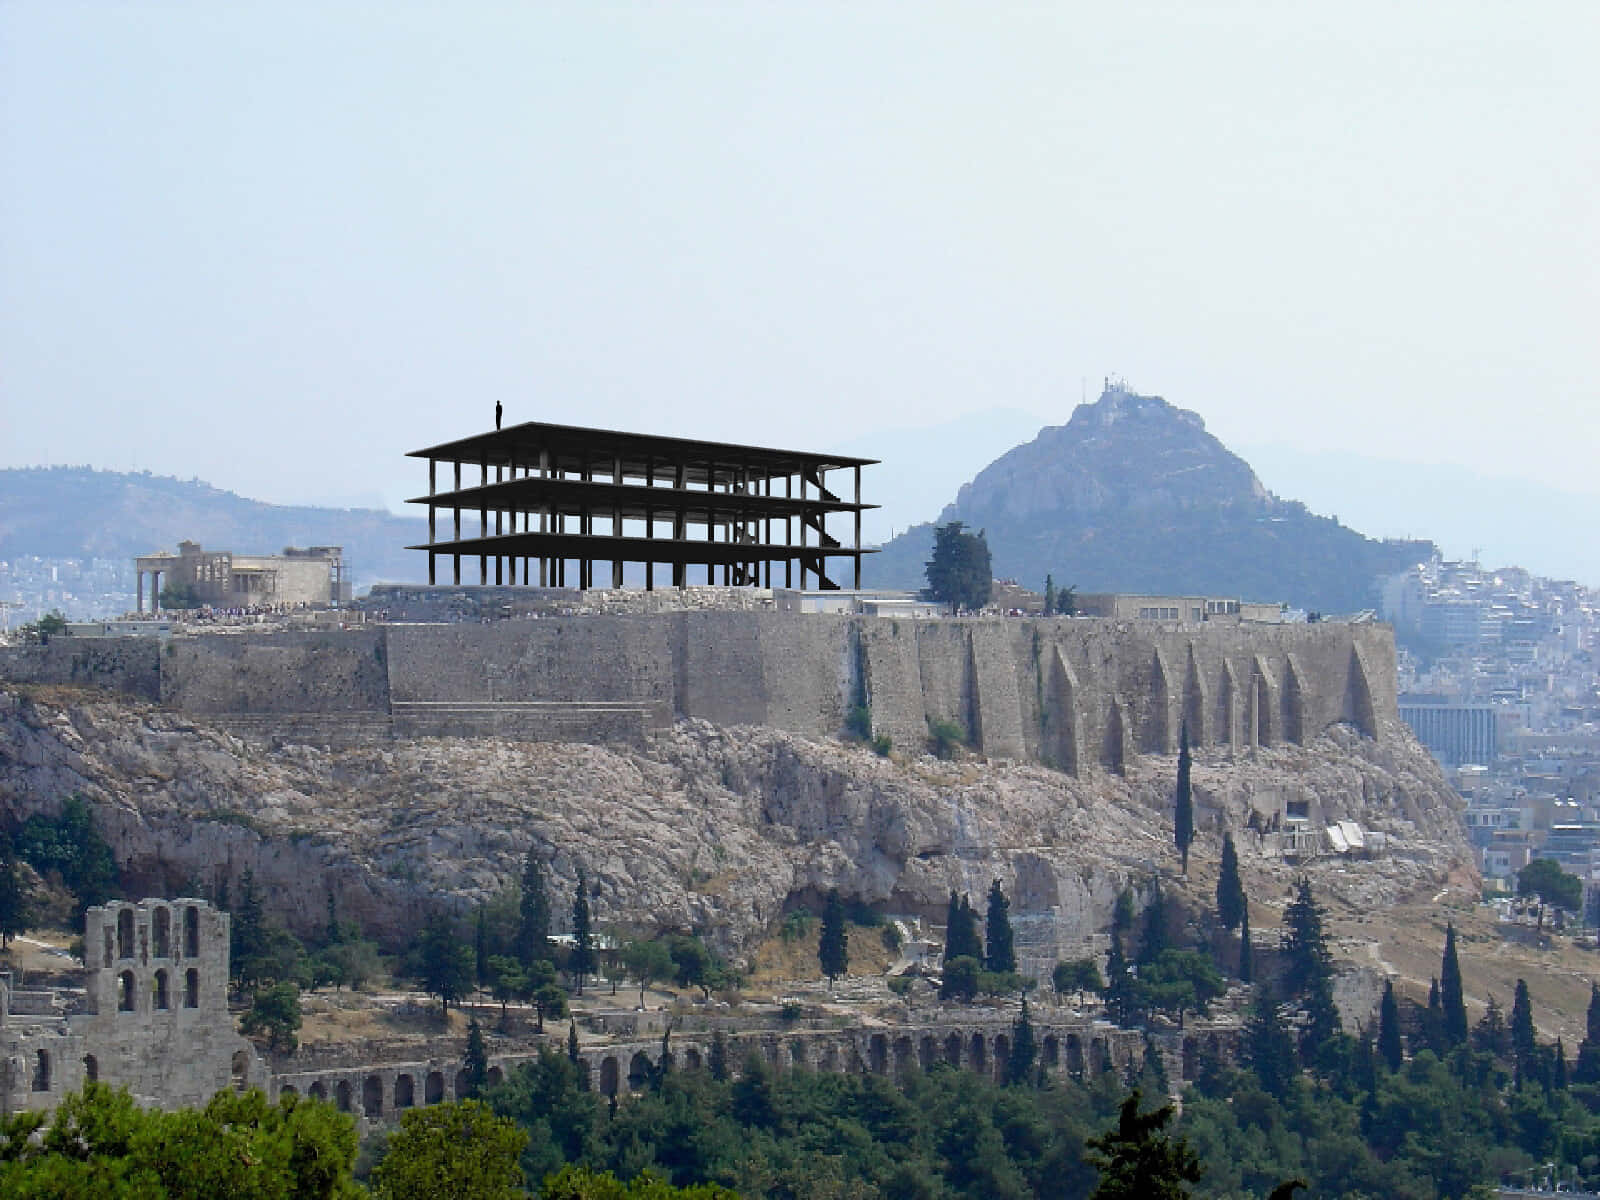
{"x":161,"y":933}
{"x":433,"y":1088}
{"x":91,"y":1068}
{"x":160,"y":992}
{"x":191,"y":988}
{"x":404,"y":1092}
{"x":191,"y":932}
{"x":125,"y":933}
{"x":318,"y":1090}
{"x":127,"y":998}
{"x":341,"y":1095}
{"x":41,"y":1072}
{"x":110,"y":955}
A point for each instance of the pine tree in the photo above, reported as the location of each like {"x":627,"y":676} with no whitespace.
{"x":475,"y":1062}
{"x":1231,"y":901}
{"x":833,"y":947}
{"x":1247,"y":966}
{"x":533,"y":926}
{"x":581,"y":962}
{"x":1268,"y":1048}
{"x":1138,"y":1160}
{"x":1588,"y":1070}
{"x":1524,"y":1041}
{"x":1451,"y":998}
{"x":1000,"y":956}
{"x":1024,"y":1050}
{"x":1389,"y":1028}
{"x":1183,"y":804}
{"x":1308,"y":974}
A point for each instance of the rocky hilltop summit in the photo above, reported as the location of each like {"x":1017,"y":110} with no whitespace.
{"x":1133,"y":495}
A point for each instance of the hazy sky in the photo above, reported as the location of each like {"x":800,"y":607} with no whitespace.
{"x":277,"y":245}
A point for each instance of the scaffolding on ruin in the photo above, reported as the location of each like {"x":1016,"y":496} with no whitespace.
{"x":563,"y":497}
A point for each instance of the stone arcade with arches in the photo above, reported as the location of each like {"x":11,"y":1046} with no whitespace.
{"x":152,"y":1015}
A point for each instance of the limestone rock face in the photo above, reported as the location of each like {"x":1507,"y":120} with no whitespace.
{"x":703,"y":827}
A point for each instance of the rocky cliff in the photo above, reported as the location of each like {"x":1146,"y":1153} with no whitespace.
{"x":701,"y":826}
{"x":1132,"y":494}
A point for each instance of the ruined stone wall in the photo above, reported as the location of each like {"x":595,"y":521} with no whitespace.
{"x":1078,"y":694}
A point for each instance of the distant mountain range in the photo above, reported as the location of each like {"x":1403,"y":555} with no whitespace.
{"x":78,"y":512}
{"x":1132,"y":494}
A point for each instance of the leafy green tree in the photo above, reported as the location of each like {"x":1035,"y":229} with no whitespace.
{"x":1123,"y":912}
{"x":1000,"y":955}
{"x":960,"y":573}
{"x":16,"y":915}
{"x":1544,"y":878}
{"x":446,"y":965}
{"x":582,"y":961}
{"x":533,"y":927}
{"x":475,"y":1061}
{"x":1231,"y":901}
{"x":833,"y":947}
{"x":1067,"y":601}
{"x":959,"y":979}
{"x":580,"y":1183}
{"x":1452,"y":999}
{"x":352,"y":962}
{"x":459,"y":1149}
{"x":507,"y":980}
{"x":1183,"y":801}
{"x":1389,"y":1028}
{"x":70,"y":845}
{"x":1179,"y":981}
{"x":179,"y":596}
{"x":648,"y":961}
{"x":1490,"y":1035}
{"x":1024,"y":1049}
{"x":717,"y":1058}
{"x":549,"y":1001}
{"x":1138,"y":1160}
{"x":275,"y":1012}
{"x":1077,"y":975}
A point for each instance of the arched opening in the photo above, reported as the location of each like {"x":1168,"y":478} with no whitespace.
{"x":404,"y":1092}
{"x":1050,"y":1050}
{"x":127,"y":998}
{"x":91,"y":1068}
{"x":830,"y":1058}
{"x":1099,"y":1060}
{"x":160,"y":993}
{"x":608,"y":1077}
{"x":372,"y":1096}
{"x":769,"y":1047}
{"x":905,"y":1058}
{"x":41,"y":1072}
{"x":341,"y":1095}
{"x":927,"y":1052}
{"x":952,"y":1050}
{"x":878,"y":1054}
{"x":433,"y":1088}
{"x":125,"y":933}
{"x":1074,"y":1056}
{"x":461,"y":1085}
{"x":495,"y":1077}
{"x":1002,"y":1054}
{"x":288,"y":1089}
{"x":691,"y":1059}
{"x":161,"y":933}
{"x":191,"y":988}
{"x":797,"y":1054}
{"x":191,"y":932}
{"x":239,"y":1068}
{"x":976,"y":1058}
{"x":638,"y":1071}
{"x":318,"y":1091}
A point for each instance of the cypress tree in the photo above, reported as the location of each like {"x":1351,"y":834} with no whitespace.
{"x":1049,"y":595}
{"x":1231,"y":901}
{"x":480,"y":947}
{"x":1183,"y":804}
{"x":1001,"y":954}
{"x":1433,"y":1021}
{"x":533,"y":926}
{"x":1490,"y":1034}
{"x":475,"y":1062}
{"x":1019,"y":1063}
{"x":1451,"y":998}
{"x":961,"y":935}
{"x":1155,"y":926}
{"x":1588,"y":1070}
{"x":572,"y":1041}
{"x":952,"y":925}
{"x":1268,"y":1048}
{"x":1118,"y":1006}
{"x":1524,"y":1041}
{"x":717,"y":1060}
{"x":1247,"y":966}
{"x":1309,"y":968}
{"x":833,"y":949}
{"x":1560,"y":1079}
{"x":1389,"y":1028}
{"x":582,"y":961}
